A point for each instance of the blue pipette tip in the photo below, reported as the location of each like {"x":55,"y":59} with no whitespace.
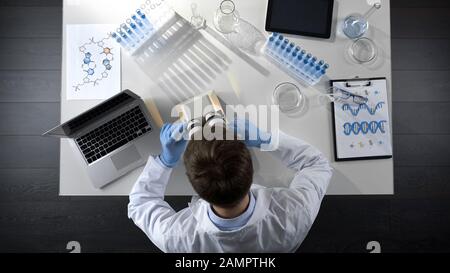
{"x":291,"y":45}
{"x":286,"y":41}
{"x":281,"y":37}
{"x":303,"y":52}
{"x":271,"y":39}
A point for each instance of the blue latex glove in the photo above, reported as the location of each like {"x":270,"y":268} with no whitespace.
{"x":171,"y":148}
{"x":253,"y":137}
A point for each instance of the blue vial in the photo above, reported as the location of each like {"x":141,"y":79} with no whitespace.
{"x":298,"y":59}
{"x":310,"y":68}
{"x":305,"y":60}
{"x":130,"y":33}
{"x":126,"y":38}
{"x":277,"y":45}
{"x":137,"y":30}
{"x":287,"y":52}
{"x":143,"y":18}
{"x":145,"y":29}
{"x":119,"y":40}
{"x":296,"y":49}
{"x":280,"y":38}
{"x":281,"y":49}
{"x":313,"y":60}
{"x":319,"y":74}
{"x":321,"y":62}
{"x":271,"y":43}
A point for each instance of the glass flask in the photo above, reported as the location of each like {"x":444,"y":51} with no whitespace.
{"x":356,"y":25}
{"x":226,"y":18}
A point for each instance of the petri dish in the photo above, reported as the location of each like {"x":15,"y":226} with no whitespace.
{"x":363,"y":50}
{"x":288,"y":97}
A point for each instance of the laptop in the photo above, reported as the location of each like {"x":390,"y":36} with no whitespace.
{"x":112,"y":138}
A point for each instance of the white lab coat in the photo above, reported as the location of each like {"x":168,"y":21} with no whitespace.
{"x":280,"y":222}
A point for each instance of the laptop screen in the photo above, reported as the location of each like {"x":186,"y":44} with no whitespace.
{"x":94,"y":114}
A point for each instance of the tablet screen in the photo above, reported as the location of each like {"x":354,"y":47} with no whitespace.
{"x":304,"y":17}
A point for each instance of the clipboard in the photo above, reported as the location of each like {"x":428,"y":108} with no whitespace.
{"x":360,"y":119}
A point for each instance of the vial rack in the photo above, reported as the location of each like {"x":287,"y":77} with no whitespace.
{"x":294,"y":60}
{"x":142,"y":25}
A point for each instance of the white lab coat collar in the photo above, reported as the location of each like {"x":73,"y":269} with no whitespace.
{"x":199,"y":208}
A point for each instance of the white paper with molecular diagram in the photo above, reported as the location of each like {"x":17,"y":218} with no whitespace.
{"x":93,"y":62}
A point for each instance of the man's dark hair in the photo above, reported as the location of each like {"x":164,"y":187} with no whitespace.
{"x":220,"y":171}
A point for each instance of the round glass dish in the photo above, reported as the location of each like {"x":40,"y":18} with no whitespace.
{"x":363,"y":50}
{"x":288,"y":97}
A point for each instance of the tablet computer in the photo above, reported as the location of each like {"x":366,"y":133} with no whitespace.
{"x":302,"y":17}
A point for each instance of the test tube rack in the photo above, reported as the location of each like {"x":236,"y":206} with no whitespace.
{"x":142,"y":25}
{"x":293,"y":59}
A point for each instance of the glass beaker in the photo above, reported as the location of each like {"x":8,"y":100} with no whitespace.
{"x":356,"y":25}
{"x":226,"y":18}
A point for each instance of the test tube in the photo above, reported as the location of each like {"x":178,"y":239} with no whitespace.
{"x":281,"y":49}
{"x":125,"y":38}
{"x":139,"y":23}
{"x":305,"y":60}
{"x":287,"y":53}
{"x":271,"y":43}
{"x":144,"y":18}
{"x":321,"y":72}
{"x":130,"y":33}
{"x":120,"y":41}
{"x":309,"y":68}
{"x":136,"y":29}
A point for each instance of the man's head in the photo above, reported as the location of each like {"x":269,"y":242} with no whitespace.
{"x":220,"y":171}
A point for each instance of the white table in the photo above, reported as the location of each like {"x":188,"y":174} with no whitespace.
{"x":240,"y":82}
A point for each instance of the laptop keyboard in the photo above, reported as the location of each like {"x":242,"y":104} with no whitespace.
{"x":113,"y":134}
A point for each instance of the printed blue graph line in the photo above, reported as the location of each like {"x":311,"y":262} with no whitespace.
{"x":89,"y":65}
{"x":364,"y":127}
{"x":356,"y":110}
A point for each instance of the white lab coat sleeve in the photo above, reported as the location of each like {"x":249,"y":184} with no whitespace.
{"x":147,"y":207}
{"x":312,"y":172}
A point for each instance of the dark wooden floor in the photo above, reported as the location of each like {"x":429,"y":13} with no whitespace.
{"x":34,"y":219}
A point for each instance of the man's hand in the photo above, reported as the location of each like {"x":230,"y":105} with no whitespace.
{"x":172,"y":147}
{"x":250,"y":134}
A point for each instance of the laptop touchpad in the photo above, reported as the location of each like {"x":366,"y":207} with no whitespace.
{"x":126,"y":157}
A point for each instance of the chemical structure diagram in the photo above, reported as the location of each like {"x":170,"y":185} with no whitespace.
{"x":97,"y":60}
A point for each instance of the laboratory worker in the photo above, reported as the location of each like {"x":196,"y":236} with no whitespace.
{"x":231,"y":213}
